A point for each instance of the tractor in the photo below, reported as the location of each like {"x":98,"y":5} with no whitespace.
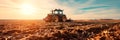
{"x":56,"y":15}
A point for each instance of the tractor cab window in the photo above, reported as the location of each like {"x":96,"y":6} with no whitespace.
{"x":61,"y":12}
{"x":55,"y":12}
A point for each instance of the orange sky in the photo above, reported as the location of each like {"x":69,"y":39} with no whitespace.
{"x":38,"y":9}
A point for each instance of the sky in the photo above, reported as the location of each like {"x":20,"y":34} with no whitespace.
{"x":74,"y":9}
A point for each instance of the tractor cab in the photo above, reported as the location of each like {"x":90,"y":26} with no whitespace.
{"x":57,"y":11}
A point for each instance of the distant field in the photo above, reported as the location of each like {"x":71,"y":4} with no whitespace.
{"x":107,"y":21}
{"x":75,"y":30}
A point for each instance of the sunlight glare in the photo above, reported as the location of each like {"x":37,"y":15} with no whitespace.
{"x":27,"y":9}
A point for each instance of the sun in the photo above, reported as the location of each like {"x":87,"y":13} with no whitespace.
{"x":27,"y":9}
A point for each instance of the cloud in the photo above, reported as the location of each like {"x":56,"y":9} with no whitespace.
{"x":96,"y":7}
{"x":99,"y":14}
